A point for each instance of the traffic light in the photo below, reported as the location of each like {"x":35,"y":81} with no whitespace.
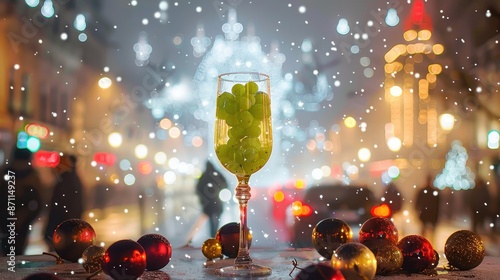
{"x":25,"y":141}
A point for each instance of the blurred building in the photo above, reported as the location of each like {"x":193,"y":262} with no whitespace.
{"x":52,"y":62}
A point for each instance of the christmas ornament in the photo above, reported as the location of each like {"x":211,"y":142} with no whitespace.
{"x":158,"y":250}
{"x":211,"y":249}
{"x":378,"y":228}
{"x":124,"y":259}
{"x":329,"y":234}
{"x":355,"y":261}
{"x":436,"y":262}
{"x":42,"y":276}
{"x":389,"y":257}
{"x":418,"y":253}
{"x":319,"y":271}
{"x":229,"y":237}
{"x":464,"y":250}
{"x":71,"y":238}
{"x":92,"y":258}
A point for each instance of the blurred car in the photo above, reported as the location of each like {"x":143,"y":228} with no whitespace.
{"x":282,"y":196}
{"x":349,"y":203}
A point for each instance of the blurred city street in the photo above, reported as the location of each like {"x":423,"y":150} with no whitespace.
{"x":125,"y":222}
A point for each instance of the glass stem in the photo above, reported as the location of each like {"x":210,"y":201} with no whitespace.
{"x":243,"y":195}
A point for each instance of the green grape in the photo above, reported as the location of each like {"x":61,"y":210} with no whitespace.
{"x":223,"y":98}
{"x":235,"y":168}
{"x":236,"y":132}
{"x":253,"y":130}
{"x":238,"y":90}
{"x":231,"y":120}
{"x":237,"y":156}
{"x":245,"y":119}
{"x":251,"y":154}
{"x":231,"y":107}
{"x":222,"y":152}
{"x":251,"y":166}
{"x":257,"y":111}
{"x":265,"y":152}
{"x":220,"y":113}
{"x":251,"y":142}
{"x":233,"y":143}
{"x":251,"y":87}
{"x":244,"y":103}
{"x":262,"y":98}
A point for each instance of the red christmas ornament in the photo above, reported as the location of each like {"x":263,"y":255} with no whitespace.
{"x":124,"y":259}
{"x":378,"y":228}
{"x":158,"y":250}
{"x":229,"y":237}
{"x":319,"y":271}
{"x":71,"y":238}
{"x":42,"y":276}
{"x":418,"y":253}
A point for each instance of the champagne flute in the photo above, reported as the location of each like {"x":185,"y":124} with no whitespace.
{"x":243,"y":144}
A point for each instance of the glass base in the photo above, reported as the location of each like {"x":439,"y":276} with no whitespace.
{"x":244,"y":270}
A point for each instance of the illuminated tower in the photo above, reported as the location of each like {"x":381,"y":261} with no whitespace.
{"x":410,"y":75}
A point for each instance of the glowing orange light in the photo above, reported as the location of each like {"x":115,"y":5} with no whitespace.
{"x":297,"y":208}
{"x":145,"y":167}
{"x":306,"y":210}
{"x":382,"y":210}
{"x":279,"y":196}
{"x":37,"y":130}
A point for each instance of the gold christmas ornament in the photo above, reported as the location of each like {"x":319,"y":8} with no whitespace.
{"x":389,"y":257}
{"x":211,"y":249}
{"x":464,"y":250}
{"x":92,"y":258}
{"x":355,"y":261}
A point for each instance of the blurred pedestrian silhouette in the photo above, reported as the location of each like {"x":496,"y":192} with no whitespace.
{"x":393,"y":198}
{"x":427,"y":207}
{"x":101,"y":192}
{"x":19,"y":181}
{"x":208,"y":188}
{"x":479,"y":205}
{"x":67,"y":196}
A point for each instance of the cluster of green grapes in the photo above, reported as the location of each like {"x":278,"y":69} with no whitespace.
{"x":245,"y":113}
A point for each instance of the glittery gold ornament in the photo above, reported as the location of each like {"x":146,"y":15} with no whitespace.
{"x":211,"y":249}
{"x":464,"y":250}
{"x":329,"y":234}
{"x":92,"y":258}
{"x":355,"y":261}
{"x":389,"y":257}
